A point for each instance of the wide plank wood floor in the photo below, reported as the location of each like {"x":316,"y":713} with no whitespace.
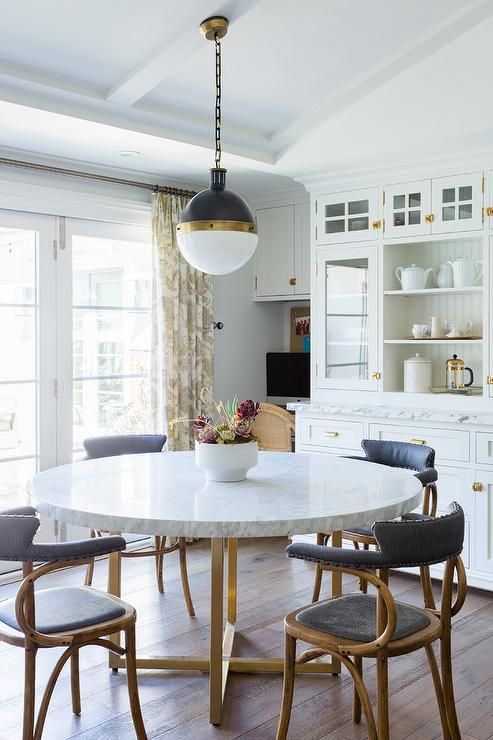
{"x":175,"y":705}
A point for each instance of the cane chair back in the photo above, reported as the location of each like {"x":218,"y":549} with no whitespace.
{"x":273,"y":428}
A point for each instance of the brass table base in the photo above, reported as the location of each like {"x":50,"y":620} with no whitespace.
{"x":220,"y":661}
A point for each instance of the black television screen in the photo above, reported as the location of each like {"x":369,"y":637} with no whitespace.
{"x":288,"y":374}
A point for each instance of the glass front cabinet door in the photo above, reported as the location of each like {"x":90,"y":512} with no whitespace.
{"x":457,"y":203}
{"x":347,"y":217}
{"x":346,"y":310}
{"x":407,"y":209}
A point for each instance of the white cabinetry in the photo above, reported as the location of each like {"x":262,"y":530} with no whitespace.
{"x":362,"y":331}
{"x":406,"y":208}
{"x":442,"y":205}
{"x":346,"y":217}
{"x":346,"y":310}
{"x":282,"y":257}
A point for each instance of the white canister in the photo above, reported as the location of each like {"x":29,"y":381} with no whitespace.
{"x":417,"y":374}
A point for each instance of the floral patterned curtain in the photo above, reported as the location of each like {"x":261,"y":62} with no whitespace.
{"x":182,"y":330}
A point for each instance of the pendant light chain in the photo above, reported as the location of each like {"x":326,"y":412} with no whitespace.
{"x":218,"y":100}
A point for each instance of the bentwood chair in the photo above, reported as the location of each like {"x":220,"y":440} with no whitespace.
{"x":133,"y":444}
{"x":273,"y":428}
{"x":69,"y":617}
{"x":417,"y":457}
{"x":357,"y":626}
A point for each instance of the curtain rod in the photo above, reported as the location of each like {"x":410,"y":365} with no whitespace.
{"x":93,"y":176}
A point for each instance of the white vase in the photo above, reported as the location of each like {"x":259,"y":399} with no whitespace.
{"x":226,"y":462}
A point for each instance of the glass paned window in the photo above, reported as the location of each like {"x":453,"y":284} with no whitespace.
{"x":111,"y":337}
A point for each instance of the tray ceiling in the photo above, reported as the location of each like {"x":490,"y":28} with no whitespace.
{"x":308,"y":87}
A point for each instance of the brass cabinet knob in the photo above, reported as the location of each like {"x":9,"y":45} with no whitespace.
{"x":418,"y":441}
{"x":292,"y":281}
{"x":376,"y":225}
{"x":477,"y":486}
{"x":429,"y":218}
{"x":489,"y":211}
{"x":376,"y":376}
{"x":489,"y":380}
{"x":332,"y":434}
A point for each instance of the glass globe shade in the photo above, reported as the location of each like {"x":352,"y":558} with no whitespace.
{"x":217,"y":252}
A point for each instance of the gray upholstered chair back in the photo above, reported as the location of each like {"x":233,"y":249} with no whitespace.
{"x":402,"y":543}
{"x":123,"y":444}
{"x":399,"y":454}
{"x":19,"y":526}
{"x":421,"y":542}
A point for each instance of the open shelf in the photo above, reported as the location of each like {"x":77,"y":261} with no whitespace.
{"x":436,"y":291}
{"x":446,"y":340}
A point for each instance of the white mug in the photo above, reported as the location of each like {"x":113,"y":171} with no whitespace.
{"x":419,"y":330}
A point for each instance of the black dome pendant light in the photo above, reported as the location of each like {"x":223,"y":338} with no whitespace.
{"x":217,"y":233}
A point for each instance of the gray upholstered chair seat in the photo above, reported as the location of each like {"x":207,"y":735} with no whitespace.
{"x":65,"y":609}
{"x":353,"y":617}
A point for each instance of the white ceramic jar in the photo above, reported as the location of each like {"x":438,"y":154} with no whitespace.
{"x":417,"y":374}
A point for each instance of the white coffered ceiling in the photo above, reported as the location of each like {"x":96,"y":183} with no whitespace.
{"x":323,"y":85}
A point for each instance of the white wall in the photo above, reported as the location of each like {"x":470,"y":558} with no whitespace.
{"x":250,"y":330}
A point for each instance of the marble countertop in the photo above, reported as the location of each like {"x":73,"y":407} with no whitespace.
{"x":397,"y":413}
{"x":165,"y":493}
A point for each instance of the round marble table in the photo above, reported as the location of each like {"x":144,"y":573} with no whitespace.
{"x":164,"y":493}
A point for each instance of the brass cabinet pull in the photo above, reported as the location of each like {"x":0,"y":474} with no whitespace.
{"x":376,"y":225}
{"x":332,"y":434}
{"x":292,"y":281}
{"x":376,"y":376}
{"x":429,"y":218}
{"x":477,"y":486}
{"x":489,"y":380}
{"x":418,"y":441}
{"x":489,"y":211}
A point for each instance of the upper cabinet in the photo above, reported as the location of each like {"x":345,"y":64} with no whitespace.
{"x":282,"y":257}
{"x":407,"y":209}
{"x":440,"y":206}
{"x":346,"y":217}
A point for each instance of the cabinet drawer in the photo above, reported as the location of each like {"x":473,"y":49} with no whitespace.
{"x":484,"y":448}
{"x":332,"y":433}
{"x":449,"y":444}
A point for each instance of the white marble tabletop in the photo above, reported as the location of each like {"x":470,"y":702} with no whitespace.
{"x":165,"y":493}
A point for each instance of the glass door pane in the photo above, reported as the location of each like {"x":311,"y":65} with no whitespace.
{"x":346,"y":323}
{"x":110,"y":358}
{"x":26,"y":370}
{"x":346,"y":296}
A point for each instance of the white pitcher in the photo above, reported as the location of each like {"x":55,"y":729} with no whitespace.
{"x":414,"y":277}
{"x":465,"y":272}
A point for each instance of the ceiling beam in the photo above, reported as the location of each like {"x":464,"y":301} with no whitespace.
{"x":470,"y":15}
{"x":166,"y":61}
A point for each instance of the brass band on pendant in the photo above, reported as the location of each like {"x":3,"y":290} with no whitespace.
{"x":207,"y":225}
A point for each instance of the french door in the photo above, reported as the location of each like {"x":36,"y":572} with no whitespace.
{"x":28,"y":364}
{"x":75,"y":329}
{"x":104,"y":333}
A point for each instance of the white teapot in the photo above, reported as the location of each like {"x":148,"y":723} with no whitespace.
{"x":414,"y":277}
{"x":464,"y":270}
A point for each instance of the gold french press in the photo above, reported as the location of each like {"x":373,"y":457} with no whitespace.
{"x":455,"y":374}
